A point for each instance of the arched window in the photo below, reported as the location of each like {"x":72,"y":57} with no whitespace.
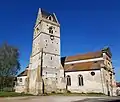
{"x":68,"y":80}
{"x":50,"y":30}
{"x":50,"y":18}
{"x":80,"y":80}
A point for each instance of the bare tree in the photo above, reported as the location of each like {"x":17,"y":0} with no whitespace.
{"x":9,"y":64}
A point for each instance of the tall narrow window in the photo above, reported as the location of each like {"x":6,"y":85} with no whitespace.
{"x":20,"y":79}
{"x":68,"y":80}
{"x":51,"y":58}
{"x":50,"y":18}
{"x":80,"y":80}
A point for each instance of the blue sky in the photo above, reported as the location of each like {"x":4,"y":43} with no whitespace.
{"x":86,"y":25}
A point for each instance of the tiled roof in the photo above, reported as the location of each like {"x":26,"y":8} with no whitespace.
{"x":84,"y":66}
{"x":84,"y":56}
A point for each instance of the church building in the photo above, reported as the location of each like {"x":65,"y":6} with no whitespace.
{"x":90,"y":73}
{"x":47,"y":72}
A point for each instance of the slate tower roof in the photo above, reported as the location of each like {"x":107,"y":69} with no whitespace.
{"x":46,"y":14}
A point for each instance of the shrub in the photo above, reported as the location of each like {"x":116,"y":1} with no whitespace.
{"x":53,"y":91}
{"x":68,"y":91}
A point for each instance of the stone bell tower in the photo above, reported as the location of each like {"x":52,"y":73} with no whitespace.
{"x":45,"y":72}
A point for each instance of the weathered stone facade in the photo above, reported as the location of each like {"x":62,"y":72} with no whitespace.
{"x":90,"y":83}
{"x":45,"y":65}
{"x":21,"y":84}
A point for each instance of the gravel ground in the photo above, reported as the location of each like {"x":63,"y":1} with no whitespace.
{"x":59,"y":99}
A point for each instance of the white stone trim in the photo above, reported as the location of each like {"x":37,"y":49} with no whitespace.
{"x":56,"y":18}
{"x":87,"y":60}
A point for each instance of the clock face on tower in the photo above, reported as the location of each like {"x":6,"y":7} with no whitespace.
{"x":51,"y":37}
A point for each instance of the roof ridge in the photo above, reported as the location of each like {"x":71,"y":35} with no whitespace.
{"x":85,"y":53}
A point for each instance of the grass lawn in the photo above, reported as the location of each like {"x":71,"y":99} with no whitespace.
{"x":13,"y":94}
